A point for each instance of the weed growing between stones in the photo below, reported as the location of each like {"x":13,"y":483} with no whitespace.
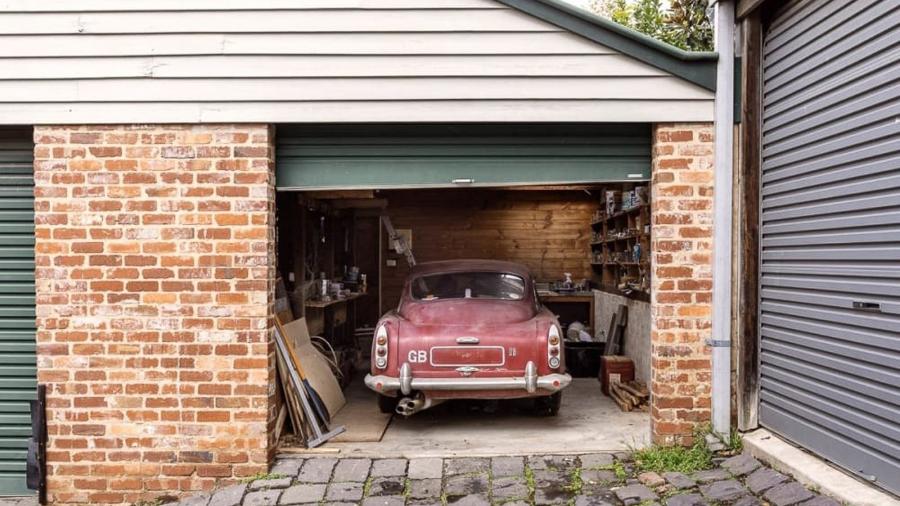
{"x":263,"y":476}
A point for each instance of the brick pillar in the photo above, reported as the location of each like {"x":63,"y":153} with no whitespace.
{"x":155,"y":268}
{"x":681,"y":243}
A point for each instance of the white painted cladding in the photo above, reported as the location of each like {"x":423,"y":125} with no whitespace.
{"x":125,"y":61}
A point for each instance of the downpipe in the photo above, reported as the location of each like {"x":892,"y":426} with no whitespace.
{"x":722,"y":225}
{"x":409,"y":406}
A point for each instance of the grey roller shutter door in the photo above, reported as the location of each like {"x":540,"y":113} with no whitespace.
{"x":830,"y":233}
{"x":17,"y":318}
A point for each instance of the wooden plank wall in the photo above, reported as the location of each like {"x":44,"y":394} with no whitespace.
{"x":549,"y":231}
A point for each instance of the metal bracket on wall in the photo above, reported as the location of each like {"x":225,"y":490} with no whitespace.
{"x":718,"y":343}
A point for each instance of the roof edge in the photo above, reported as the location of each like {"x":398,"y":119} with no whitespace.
{"x":698,"y":67}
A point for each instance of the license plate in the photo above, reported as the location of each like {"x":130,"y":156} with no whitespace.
{"x":455,"y":356}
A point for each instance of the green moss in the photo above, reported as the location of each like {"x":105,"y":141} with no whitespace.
{"x":575,"y":481}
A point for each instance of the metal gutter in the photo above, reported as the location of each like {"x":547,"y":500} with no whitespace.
{"x":722,"y":219}
{"x":698,"y":67}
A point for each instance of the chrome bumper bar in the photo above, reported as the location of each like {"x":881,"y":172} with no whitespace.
{"x":406,"y":384}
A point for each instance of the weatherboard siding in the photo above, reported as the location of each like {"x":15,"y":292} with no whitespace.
{"x":104,"y":61}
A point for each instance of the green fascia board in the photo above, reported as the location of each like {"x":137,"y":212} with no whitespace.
{"x":698,"y":67}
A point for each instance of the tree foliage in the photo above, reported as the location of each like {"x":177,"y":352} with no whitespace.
{"x":683,"y":23}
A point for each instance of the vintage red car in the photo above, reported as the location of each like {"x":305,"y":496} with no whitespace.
{"x":467,"y":329}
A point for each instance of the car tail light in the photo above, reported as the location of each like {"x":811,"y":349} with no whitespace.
{"x":381,"y":347}
{"x":553,"y":346}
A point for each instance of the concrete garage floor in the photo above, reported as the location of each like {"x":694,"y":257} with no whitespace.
{"x":588,"y":422}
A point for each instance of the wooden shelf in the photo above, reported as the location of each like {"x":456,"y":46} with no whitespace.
{"x":626,"y":212}
{"x":632,"y":221}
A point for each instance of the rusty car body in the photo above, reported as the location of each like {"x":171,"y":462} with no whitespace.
{"x":471,"y":329}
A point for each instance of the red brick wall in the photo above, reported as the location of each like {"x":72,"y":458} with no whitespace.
{"x":682,"y":216}
{"x":154,"y":278}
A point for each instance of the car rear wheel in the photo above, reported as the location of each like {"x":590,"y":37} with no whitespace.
{"x":387,"y":404}
{"x":548,"y":405}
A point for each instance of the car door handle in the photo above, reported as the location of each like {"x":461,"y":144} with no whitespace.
{"x":467,"y":340}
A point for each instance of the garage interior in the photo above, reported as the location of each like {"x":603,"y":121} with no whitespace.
{"x":571,"y":202}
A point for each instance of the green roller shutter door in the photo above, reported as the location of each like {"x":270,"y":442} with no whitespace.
{"x":436,"y":156}
{"x":17,"y":319}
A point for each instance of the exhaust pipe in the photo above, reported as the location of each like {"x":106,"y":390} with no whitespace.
{"x":409,"y":406}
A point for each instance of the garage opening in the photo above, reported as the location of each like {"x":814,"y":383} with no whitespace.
{"x":568,"y":203}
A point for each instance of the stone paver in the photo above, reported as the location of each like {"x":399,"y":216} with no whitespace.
{"x":303,"y":494}
{"x":262,"y":498}
{"x":592,"y":500}
{"x":387,"y":486}
{"x":395,"y":500}
{"x":763,"y":479}
{"x":389,"y":467}
{"x":596,"y":460}
{"x":547,"y":496}
{"x":598,"y":477}
{"x":316,"y":470}
{"x":273,"y":483}
{"x":540,"y":462}
{"x":466,"y":465}
{"x":635,"y":494}
{"x":725,"y":490}
{"x":679,"y":480}
{"x":585,"y":480}
{"x":424,"y":468}
{"x":229,"y":496}
{"x":651,"y":479}
{"x":428,"y":488}
{"x":352,"y":470}
{"x":509,"y":487}
{"x":787,"y":494}
{"x":686,"y":500}
{"x":287,"y":467}
{"x":467,"y":484}
{"x":507,"y":466}
{"x":470,"y":500}
{"x":741,"y":465}
{"x":344,"y":492}
{"x":709,"y":475}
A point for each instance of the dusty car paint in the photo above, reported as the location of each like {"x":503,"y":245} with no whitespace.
{"x":469,"y":337}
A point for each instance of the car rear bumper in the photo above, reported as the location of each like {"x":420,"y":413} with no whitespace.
{"x":529,"y":382}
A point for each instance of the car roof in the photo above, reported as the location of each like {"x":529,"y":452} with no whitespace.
{"x":469,"y":265}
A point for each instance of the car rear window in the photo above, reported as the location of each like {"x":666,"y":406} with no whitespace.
{"x":469,"y":285}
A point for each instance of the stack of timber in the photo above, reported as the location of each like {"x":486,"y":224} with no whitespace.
{"x":630,"y":395}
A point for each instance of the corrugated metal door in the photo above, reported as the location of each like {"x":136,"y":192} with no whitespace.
{"x":441,"y":156}
{"x":830,"y":283}
{"x":17,"y":325}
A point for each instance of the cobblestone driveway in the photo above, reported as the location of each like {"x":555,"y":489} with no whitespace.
{"x":597,"y":479}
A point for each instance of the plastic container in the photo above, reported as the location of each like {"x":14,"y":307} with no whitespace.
{"x":583,"y":359}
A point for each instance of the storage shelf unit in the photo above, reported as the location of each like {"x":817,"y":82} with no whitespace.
{"x":619,"y":266}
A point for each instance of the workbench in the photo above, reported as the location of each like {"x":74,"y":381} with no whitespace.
{"x":329,"y":318}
